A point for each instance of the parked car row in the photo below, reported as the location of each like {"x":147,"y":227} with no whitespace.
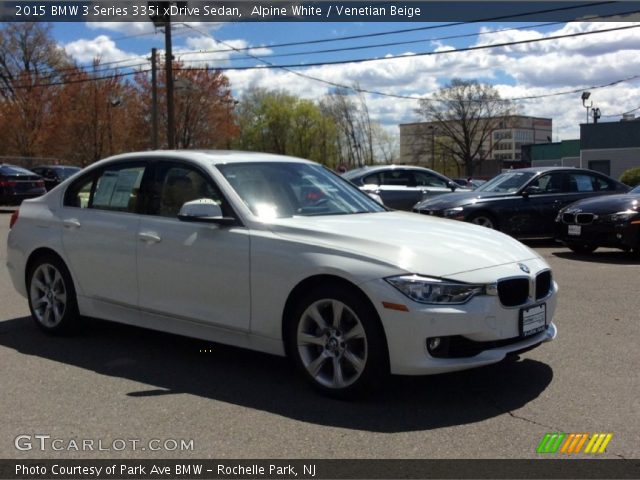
{"x":18,"y":183}
{"x":524,"y":203}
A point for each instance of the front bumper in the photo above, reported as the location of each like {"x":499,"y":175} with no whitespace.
{"x":483,"y":323}
{"x":614,"y":235}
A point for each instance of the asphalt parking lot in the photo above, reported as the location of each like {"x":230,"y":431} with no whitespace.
{"x":117,"y":382}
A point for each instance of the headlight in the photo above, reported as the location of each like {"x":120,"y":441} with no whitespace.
{"x":434,"y":290}
{"x":618,"y":217}
{"x":452,"y":212}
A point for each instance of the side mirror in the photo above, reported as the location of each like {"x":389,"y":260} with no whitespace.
{"x":530,"y":190}
{"x":204,"y":210}
{"x":453,"y":185}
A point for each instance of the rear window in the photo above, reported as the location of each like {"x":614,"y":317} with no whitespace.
{"x":12,"y":170}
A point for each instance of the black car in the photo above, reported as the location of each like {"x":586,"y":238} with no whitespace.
{"x":612,"y":221}
{"x":17,"y":183}
{"x":401,"y":187}
{"x":525,"y":202}
{"x":55,"y":174}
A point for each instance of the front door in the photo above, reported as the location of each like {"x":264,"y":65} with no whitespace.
{"x":194,"y":271}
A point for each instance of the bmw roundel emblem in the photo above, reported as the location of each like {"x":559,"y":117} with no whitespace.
{"x":524,"y":268}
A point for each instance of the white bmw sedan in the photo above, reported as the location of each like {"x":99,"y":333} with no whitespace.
{"x":280,"y":255}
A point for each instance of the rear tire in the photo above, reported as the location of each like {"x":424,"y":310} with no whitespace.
{"x":582,"y":248}
{"x":335,"y":338}
{"x":52,"y":296}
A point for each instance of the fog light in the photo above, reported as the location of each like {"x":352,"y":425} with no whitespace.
{"x":433,"y":343}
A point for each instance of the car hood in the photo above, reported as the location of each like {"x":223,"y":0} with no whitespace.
{"x":414,"y":243}
{"x":607,"y":204}
{"x":450,"y":200}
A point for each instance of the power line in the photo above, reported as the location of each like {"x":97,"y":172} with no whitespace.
{"x":621,"y":114}
{"x":405,"y":30}
{"x":435,"y":53}
{"x":377,"y":45}
{"x":80,"y":80}
{"x":409,"y":97}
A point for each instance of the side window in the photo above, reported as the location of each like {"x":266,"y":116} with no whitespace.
{"x":549,"y":183}
{"x":118,"y":188}
{"x":397,"y":178}
{"x":372,"y":179}
{"x":426,"y":180}
{"x":603,"y":185}
{"x":579,"y":182}
{"x":175,"y":184}
{"x":79,"y":193}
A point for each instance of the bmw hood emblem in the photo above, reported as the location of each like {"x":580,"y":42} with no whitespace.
{"x":524,"y":268}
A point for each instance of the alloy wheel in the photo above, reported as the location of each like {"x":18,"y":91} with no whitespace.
{"x":48,"y":295}
{"x":332,"y":343}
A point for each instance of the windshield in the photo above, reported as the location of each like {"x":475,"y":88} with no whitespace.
{"x":287,"y":189}
{"x":636,"y":190}
{"x":508,"y":182}
{"x":66,"y":172}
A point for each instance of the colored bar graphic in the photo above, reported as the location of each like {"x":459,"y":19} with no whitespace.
{"x":572,"y":443}
{"x":551,"y":442}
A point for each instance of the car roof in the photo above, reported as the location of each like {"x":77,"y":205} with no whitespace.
{"x":378,"y":168}
{"x":58,"y":166}
{"x":208,"y":157}
{"x":548,"y":169}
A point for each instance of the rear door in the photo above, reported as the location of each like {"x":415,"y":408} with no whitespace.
{"x":101,"y":218}
{"x":398,"y":188}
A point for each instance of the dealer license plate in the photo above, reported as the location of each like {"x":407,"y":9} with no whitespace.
{"x":533,"y":320}
{"x":575,"y":230}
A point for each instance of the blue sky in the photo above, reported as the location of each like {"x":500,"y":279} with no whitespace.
{"x":530,"y":69}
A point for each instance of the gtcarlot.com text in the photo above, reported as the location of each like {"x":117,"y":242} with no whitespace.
{"x":45,"y":442}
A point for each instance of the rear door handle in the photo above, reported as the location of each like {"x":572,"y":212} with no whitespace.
{"x":149,"y":237}
{"x":71,"y":223}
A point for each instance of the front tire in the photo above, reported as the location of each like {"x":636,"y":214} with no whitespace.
{"x":335,"y":339}
{"x":484,"y":220}
{"x":52,"y":296}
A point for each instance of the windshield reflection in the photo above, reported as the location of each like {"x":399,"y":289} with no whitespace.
{"x":287,"y":189}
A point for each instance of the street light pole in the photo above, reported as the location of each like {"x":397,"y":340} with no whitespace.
{"x":585,"y":97}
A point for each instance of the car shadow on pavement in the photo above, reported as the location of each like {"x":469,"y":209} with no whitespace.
{"x":612,"y":257}
{"x":171,"y":364}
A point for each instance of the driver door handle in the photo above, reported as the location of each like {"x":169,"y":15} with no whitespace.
{"x":71,"y":223}
{"x":149,"y":237}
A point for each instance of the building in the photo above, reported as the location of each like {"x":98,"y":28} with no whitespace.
{"x":608,"y":147}
{"x":419,"y":144}
{"x":557,"y":154}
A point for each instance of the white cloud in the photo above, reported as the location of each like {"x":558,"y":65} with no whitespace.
{"x":522,"y":70}
{"x":103,"y":48}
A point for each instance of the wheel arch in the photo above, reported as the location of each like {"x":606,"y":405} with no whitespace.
{"x":487,"y":212}
{"x":313,"y":282}
{"x":38,"y":253}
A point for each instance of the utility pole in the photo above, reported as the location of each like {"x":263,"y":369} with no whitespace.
{"x":161,"y":17}
{"x":154,"y":99}
{"x":169,"y":74}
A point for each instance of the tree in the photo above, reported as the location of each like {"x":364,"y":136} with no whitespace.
{"x":277,"y":122}
{"x":354,"y":127}
{"x":29,"y":59}
{"x":466,"y":113}
{"x":204,"y":108}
